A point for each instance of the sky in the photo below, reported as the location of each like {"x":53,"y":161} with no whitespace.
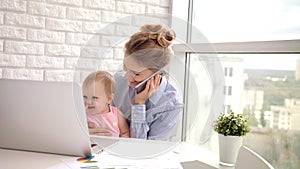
{"x":271,"y":62}
{"x":251,"y":20}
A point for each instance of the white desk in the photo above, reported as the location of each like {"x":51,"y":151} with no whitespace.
{"x":13,"y":159}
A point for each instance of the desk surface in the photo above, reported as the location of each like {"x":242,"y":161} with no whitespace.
{"x":183,"y":156}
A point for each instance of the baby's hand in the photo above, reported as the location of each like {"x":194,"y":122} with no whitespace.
{"x":98,"y":131}
{"x":91,"y":125}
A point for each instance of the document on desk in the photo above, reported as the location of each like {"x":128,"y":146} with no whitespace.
{"x":107,"y":161}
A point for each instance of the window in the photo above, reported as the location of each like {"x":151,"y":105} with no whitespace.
{"x":265,"y":57}
{"x":229,"y":90}
{"x":248,"y":20}
{"x":228,"y":109}
{"x":274,"y":88}
{"x":230,"y":71}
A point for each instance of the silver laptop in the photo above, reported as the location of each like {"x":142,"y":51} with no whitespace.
{"x":43,"y":117}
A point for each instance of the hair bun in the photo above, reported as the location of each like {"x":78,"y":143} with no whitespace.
{"x":164,"y":36}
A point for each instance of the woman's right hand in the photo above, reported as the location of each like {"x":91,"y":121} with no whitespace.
{"x":150,"y":88}
{"x":98,"y":131}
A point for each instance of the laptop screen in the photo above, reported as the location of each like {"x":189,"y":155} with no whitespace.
{"x":44,"y":117}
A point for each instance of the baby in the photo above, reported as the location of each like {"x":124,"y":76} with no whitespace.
{"x":98,"y":92}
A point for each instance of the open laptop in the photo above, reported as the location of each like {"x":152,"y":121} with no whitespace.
{"x":50,"y":117}
{"x":43,"y":117}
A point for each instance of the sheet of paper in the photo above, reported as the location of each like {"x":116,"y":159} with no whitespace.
{"x":107,"y":161}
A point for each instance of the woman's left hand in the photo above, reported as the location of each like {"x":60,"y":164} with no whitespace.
{"x":150,"y":88}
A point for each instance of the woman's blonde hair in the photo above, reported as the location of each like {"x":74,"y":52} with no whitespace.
{"x":151,"y":46}
{"x":105,"y":77}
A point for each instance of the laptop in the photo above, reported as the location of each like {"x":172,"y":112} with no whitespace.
{"x":44,"y":117}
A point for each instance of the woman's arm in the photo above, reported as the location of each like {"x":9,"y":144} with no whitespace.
{"x":162,"y":128}
{"x":165,"y":127}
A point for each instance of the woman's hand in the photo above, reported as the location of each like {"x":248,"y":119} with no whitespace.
{"x":98,"y":131}
{"x":150,"y":88}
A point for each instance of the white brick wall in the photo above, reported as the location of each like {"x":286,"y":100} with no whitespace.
{"x":12,"y":32}
{"x":21,"y":47}
{"x":64,"y":25}
{"x":62,"y":50}
{"x":1,"y":18}
{"x":81,"y":39}
{"x":31,"y":74}
{"x":63,"y":40}
{"x":60,"y":75}
{"x":66,"y":2}
{"x":45,"y":36}
{"x":43,"y":9}
{"x":12,"y":60}
{"x":26,"y":20}
{"x":130,"y":7}
{"x":112,"y":16}
{"x":45,"y":62}
{"x":100,"y":4}
{"x":1,"y":45}
{"x":13,"y":5}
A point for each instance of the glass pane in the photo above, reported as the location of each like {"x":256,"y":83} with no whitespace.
{"x":264,"y":87}
{"x":247,"y":20}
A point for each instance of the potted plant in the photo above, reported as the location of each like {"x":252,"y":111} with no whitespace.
{"x":230,"y":128}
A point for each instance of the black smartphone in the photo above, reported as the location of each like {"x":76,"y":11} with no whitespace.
{"x":141,"y":86}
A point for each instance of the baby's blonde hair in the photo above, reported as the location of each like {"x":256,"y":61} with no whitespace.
{"x":105,"y":77}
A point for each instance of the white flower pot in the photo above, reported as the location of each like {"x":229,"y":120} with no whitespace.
{"x":229,"y":147}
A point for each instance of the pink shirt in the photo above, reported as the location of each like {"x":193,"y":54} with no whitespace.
{"x":106,"y":120}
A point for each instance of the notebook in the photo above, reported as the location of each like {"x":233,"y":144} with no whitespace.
{"x":43,"y":117}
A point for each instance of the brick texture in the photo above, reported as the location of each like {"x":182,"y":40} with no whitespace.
{"x":13,"y":5}
{"x":64,"y":40}
{"x":29,"y":74}
{"x":1,"y":45}
{"x":12,"y":33}
{"x":25,"y":20}
{"x":44,"y":9}
{"x":12,"y":60}
{"x":45,"y":36}
{"x":23,"y":47}
{"x":62,"y":50}
{"x":1,"y":17}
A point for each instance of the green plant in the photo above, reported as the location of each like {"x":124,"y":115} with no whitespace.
{"x":232,"y":124}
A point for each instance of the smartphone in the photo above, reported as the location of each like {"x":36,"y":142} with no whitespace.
{"x":141,"y":86}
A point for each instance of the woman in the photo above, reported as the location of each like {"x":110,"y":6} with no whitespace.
{"x":154,"y":112}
